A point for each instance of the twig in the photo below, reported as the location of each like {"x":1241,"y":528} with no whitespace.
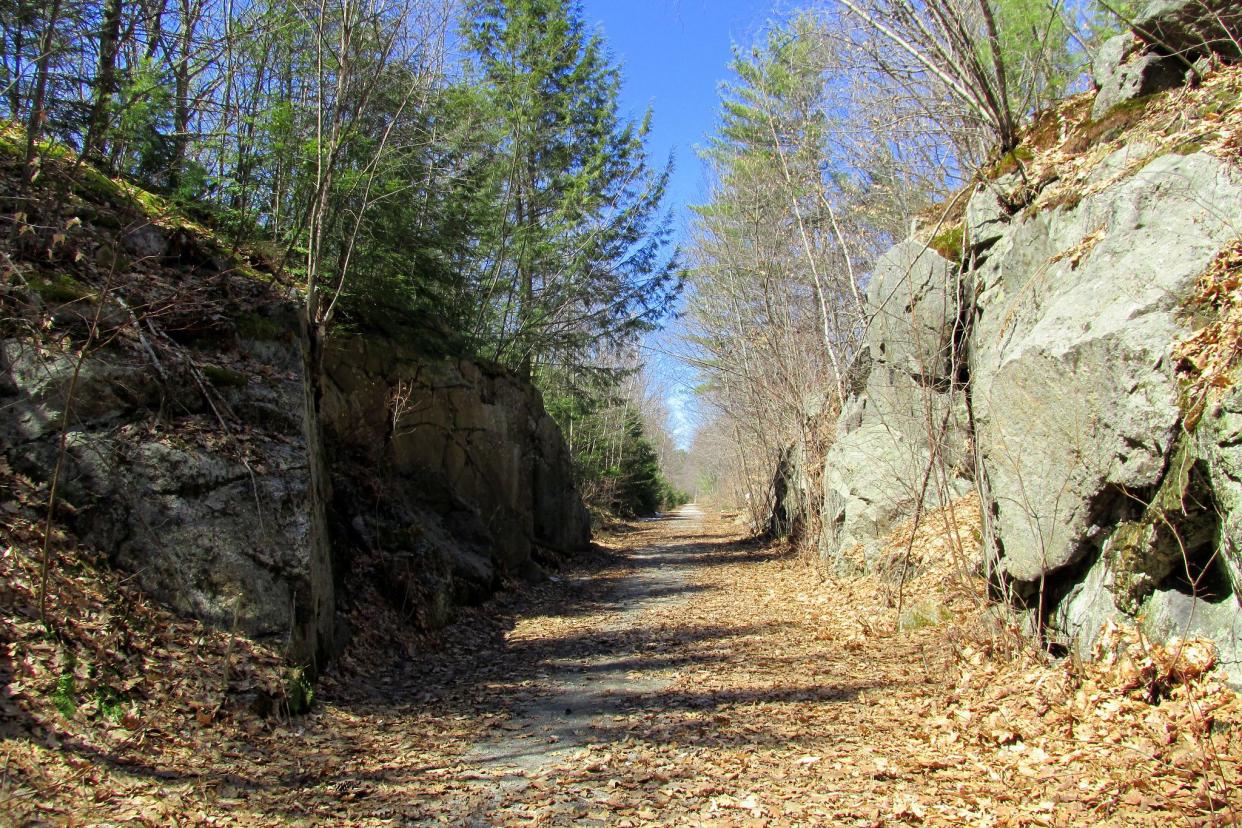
{"x":62,"y":449}
{"x":144,"y":342}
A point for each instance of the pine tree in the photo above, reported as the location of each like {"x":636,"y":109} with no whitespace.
{"x":575,"y":253}
{"x":776,"y":300}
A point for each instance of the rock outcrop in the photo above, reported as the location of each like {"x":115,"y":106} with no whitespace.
{"x":205,"y":455}
{"x":222,"y":523}
{"x":1095,"y":495}
{"x":471,"y":478}
{"x":1171,"y":41}
{"x":1075,"y":401}
{"x":1052,"y":361}
{"x":1191,"y":29}
{"x":448,"y":472}
{"x":904,"y":419}
{"x":1123,"y":72}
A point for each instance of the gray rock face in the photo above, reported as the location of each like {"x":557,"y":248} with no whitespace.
{"x":465,"y":478}
{"x":1175,"y":37}
{"x":912,"y":311}
{"x":1191,"y":28}
{"x":1143,"y":74}
{"x":464,"y":452}
{"x":1219,"y":442}
{"x":1097,"y":503}
{"x":1218,"y":438}
{"x":1175,"y":613}
{"x":987,"y":211}
{"x":234,"y":537}
{"x":874,"y":473}
{"x":1112,"y":53}
{"x":145,"y":241}
{"x":204,"y":536}
{"x":908,"y":415}
{"x":1074,"y":398}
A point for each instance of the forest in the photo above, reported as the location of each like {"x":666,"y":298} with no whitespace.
{"x":384,"y":438}
{"x":459,"y":175}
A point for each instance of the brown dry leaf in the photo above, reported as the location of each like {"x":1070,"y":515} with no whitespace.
{"x":715,"y":717}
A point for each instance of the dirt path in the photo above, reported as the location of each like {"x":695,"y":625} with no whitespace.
{"x":704,"y":680}
{"x":575,"y":692}
{"x":685,"y":677}
{"x":676,"y":684}
{"x":696,"y":681}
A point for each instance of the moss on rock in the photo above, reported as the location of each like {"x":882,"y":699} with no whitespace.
{"x":258,"y":327}
{"x":224,"y":377}
{"x":948,"y":242}
{"x":60,"y":289}
{"x":1178,"y":519}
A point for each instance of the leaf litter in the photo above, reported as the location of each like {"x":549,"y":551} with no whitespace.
{"x":755,"y":690}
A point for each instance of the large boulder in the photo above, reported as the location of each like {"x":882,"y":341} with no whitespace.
{"x":225,"y":527}
{"x":1144,"y":74}
{"x":912,"y":312}
{"x":1075,"y":401}
{"x":1170,"y":38}
{"x":1190,"y":29}
{"x":1109,"y":57}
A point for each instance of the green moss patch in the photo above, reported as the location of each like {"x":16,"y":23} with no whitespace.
{"x":1190,"y":147}
{"x":60,"y":289}
{"x":65,"y":696}
{"x":99,"y":188}
{"x":948,"y":242}
{"x":1011,"y":161}
{"x":224,"y":377}
{"x":257,"y":326}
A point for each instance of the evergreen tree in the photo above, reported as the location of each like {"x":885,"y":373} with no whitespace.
{"x":776,"y":306}
{"x":575,"y":253}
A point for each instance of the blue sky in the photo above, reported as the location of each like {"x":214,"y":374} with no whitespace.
{"x":674,"y":54}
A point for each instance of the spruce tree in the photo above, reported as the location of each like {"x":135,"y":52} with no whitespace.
{"x":576,"y":253}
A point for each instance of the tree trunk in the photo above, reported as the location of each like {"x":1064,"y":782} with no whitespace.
{"x":190,"y":12}
{"x":526,"y":294}
{"x":1005,"y":122}
{"x":105,"y":81}
{"x":19,"y":45}
{"x":38,"y":112}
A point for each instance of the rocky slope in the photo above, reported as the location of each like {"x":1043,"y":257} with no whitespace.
{"x":159,"y":382}
{"x":1067,"y":347}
